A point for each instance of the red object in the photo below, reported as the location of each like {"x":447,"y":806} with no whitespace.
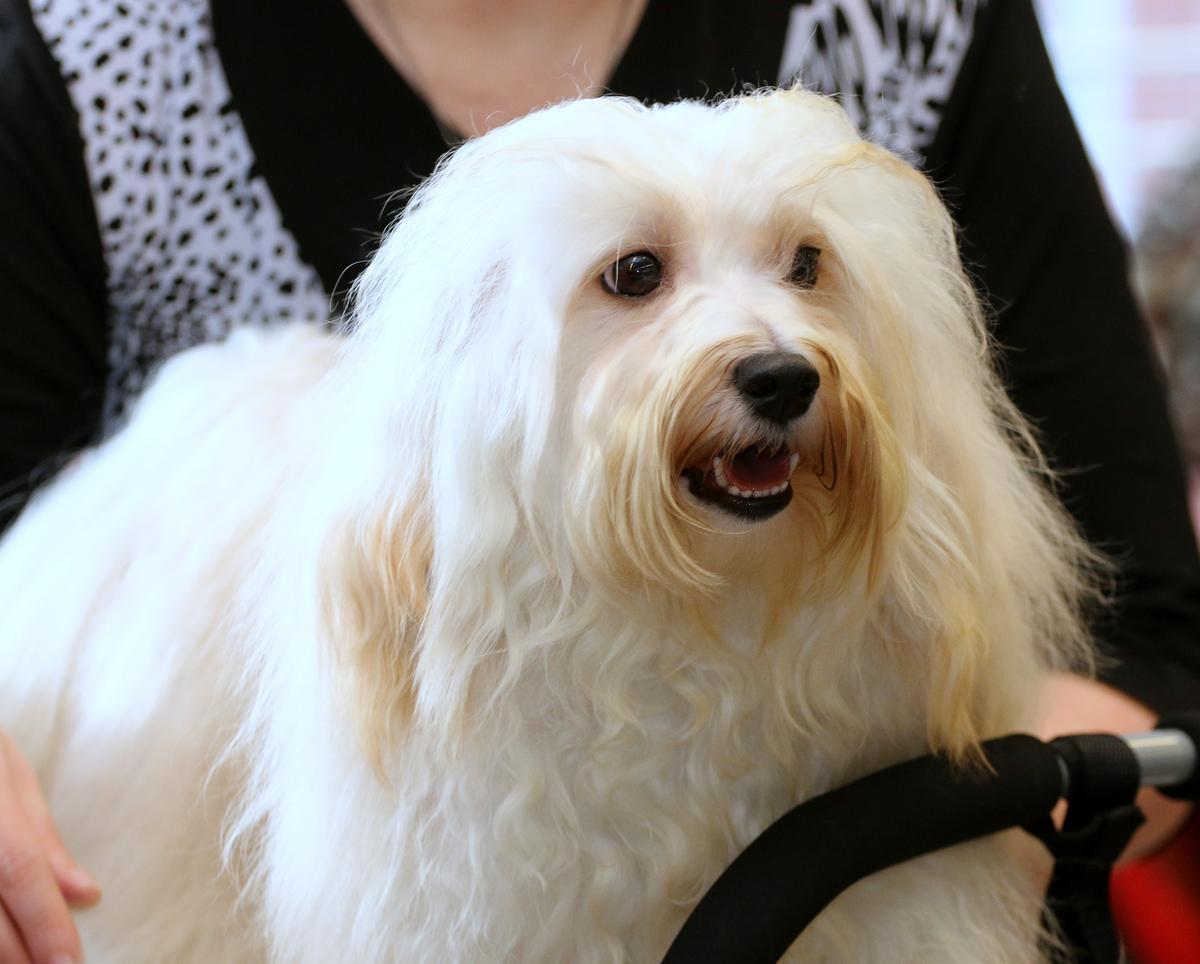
{"x":1156,"y":903}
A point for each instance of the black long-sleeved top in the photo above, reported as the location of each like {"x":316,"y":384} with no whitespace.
{"x":169,"y":168}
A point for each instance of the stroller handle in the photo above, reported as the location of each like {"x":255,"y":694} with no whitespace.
{"x":760,"y":904}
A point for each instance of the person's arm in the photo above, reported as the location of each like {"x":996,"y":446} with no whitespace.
{"x":52,"y":285}
{"x":52,"y":335}
{"x":1077,"y":360}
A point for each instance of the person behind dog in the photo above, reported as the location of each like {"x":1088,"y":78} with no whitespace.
{"x":167,"y":173}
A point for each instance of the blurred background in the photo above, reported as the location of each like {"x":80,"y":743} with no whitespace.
{"x":1131,"y":72}
{"x":1130,"y":69}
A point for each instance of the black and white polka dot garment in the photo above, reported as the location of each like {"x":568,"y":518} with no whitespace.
{"x":193,"y":242}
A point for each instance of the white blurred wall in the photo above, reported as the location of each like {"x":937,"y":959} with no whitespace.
{"x":1131,"y":72}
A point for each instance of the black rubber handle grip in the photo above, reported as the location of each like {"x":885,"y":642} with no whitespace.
{"x":770,"y":893}
{"x":1104,"y":770}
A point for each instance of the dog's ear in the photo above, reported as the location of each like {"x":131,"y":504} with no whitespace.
{"x":375,"y":589}
{"x":449,"y":380}
{"x":986,"y":572}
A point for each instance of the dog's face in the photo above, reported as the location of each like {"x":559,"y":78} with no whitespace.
{"x":678,"y":338}
{"x":711,"y":430}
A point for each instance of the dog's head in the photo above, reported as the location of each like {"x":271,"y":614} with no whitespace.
{"x":653,"y":353}
{"x":675,"y":336}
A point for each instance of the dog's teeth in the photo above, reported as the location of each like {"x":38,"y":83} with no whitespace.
{"x":722,"y":480}
{"x":754,"y":493}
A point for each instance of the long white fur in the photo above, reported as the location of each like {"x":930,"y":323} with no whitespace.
{"x":413,"y":646}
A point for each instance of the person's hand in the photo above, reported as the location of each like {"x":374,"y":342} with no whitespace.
{"x":38,"y":878}
{"x":1072,"y":704}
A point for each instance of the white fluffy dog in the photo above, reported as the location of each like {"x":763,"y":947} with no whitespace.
{"x":662,"y":483}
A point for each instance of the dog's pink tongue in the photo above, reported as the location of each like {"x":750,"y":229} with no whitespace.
{"x":753,"y":470}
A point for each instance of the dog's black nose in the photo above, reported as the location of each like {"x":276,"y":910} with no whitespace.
{"x":777,"y":385}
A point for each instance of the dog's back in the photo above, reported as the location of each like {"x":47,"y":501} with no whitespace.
{"x":117,"y":598}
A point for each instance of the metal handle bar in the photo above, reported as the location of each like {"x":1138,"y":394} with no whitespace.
{"x":1166,"y":758}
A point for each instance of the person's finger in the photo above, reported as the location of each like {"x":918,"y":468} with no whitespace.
{"x":76,"y":884}
{"x":12,"y":948}
{"x":29,"y":891}
{"x":78,"y":888}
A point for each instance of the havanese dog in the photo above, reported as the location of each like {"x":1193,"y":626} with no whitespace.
{"x":661,"y":482}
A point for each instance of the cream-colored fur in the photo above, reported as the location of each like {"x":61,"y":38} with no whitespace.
{"x":416,"y":645}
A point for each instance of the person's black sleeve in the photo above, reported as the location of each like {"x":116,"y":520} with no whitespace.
{"x":1074,"y":350}
{"x":52,"y":280}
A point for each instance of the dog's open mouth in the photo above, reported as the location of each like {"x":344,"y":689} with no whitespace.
{"x":754,"y":483}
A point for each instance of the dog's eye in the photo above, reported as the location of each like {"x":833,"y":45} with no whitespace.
{"x":805,"y":265}
{"x":634,"y":276}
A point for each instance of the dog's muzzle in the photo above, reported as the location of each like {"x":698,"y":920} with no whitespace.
{"x":754,"y":483}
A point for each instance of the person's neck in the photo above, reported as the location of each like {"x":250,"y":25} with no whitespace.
{"x":491,"y":14}
{"x":481,"y":63}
